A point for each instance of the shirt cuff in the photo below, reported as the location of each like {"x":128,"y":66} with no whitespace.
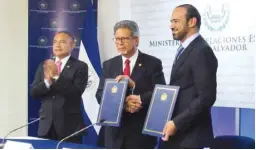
{"x":132,"y":89}
{"x":47,"y":84}
{"x":55,"y":77}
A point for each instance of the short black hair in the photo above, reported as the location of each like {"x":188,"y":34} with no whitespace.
{"x":67,"y":33}
{"x":192,"y":12}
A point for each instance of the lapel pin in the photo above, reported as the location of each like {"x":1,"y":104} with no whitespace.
{"x":68,"y":66}
{"x":140,"y":65}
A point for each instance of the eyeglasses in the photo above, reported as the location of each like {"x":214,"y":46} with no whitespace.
{"x":122,"y":39}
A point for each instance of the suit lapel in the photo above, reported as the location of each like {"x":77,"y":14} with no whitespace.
{"x":67,"y":67}
{"x":180,"y":61}
{"x":138,"y":68}
{"x":118,"y":66}
{"x":183,"y":56}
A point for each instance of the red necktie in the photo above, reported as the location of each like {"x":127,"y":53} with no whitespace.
{"x":58,"y":63}
{"x":127,"y":67}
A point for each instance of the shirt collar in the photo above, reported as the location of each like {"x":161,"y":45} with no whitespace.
{"x":63,"y":60}
{"x":133,"y":58}
{"x":189,"y":40}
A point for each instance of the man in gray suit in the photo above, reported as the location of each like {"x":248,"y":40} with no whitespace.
{"x":59,"y":84}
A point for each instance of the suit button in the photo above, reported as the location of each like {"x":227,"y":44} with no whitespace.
{"x":53,"y":97}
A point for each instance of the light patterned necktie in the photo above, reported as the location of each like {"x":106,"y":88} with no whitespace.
{"x":179,"y":51}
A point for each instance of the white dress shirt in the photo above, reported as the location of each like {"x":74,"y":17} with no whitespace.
{"x":189,"y":40}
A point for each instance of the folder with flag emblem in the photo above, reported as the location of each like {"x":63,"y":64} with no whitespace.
{"x":160,"y":109}
{"x":112,"y":102}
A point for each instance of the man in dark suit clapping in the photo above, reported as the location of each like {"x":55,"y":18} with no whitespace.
{"x":59,"y":84}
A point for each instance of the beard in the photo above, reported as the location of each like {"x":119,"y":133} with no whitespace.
{"x":181,"y":35}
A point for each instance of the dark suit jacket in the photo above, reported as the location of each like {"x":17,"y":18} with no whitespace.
{"x":61,"y":102}
{"x":195,"y":73}
{"x":146,"y":73}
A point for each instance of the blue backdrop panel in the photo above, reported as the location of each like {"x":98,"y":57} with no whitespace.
{"x":247,"y":122}
{"x":224,"y":121}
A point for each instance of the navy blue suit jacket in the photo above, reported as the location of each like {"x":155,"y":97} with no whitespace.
{"x":195,"y":73}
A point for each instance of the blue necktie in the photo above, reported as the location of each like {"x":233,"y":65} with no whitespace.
{"x":179,"y":51}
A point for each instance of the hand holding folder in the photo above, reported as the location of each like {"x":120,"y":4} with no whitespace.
{"x":169,"y":130}
{"x":131,"y":83}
